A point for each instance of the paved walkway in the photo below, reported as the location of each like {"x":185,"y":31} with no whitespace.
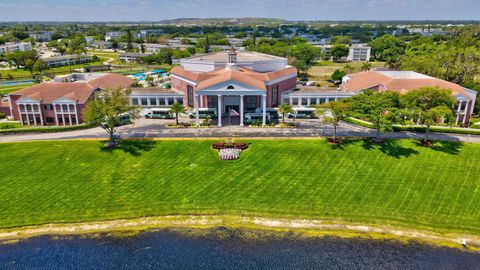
{"x":147,"y":128}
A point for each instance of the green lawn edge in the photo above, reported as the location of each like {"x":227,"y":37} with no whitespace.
{"x":396,"y":184}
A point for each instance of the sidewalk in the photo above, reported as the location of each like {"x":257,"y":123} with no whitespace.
{"x":157,"y":131}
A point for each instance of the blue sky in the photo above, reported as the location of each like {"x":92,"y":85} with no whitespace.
{"x":154,"y":10}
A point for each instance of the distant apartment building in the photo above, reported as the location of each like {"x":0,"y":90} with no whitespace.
{"x":130,"y":57}
{"x":62,"y":101}
{"x":357,"y":52}
{"x":66,"y":60}
{"x":113,"y":35}
{"x":13,"y":47}
{"x":150,"y":32}
{"x":44,"y":36}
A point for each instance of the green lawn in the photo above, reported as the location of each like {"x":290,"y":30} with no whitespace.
{"x":9,"y":125}
{"x":398,"y":183}
{"x":8,"y":89}
{"x":322,"y":71}
{"x":19,"y":73}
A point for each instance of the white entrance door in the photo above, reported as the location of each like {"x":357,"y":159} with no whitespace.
{"x":231,"y":102}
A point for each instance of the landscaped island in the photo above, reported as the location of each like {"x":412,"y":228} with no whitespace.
{"x":397,"y":183}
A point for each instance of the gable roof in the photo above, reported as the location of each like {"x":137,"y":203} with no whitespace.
{"x":80,"y":91}
{"x":241,"y":74}
{"x":232,"y":75}
{"x":401,"y":81}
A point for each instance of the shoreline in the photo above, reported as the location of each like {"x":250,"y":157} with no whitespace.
{"x":302,"y":227}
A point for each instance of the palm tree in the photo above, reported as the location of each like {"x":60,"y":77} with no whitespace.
{"x":149,"y":80}
{"x":366,"y":66}
{"x":177,"y":108}
{"x":348,"y":68}
{"x":337,"y":111}
{"x":284,"y":109}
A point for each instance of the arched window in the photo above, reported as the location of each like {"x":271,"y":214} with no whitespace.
{"x":230,"y":87}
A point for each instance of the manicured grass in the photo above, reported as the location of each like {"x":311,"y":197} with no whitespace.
{"x":322,"y":71}
{"x":9,"y":89}
{"x":19,"y":73}
{"x":398,"y":183}
{"x":9,"y":125}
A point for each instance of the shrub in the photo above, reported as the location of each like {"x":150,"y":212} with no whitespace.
{"x":2,"y":115}
{"x":416,"y":128}
{"x":44,"y":129}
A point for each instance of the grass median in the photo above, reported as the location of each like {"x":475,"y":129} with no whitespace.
{"x":398,"y":183}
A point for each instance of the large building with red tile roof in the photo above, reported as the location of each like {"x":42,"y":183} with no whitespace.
{"x":406,"y":81}
{"x":233,"y":81}
{"x":62,"y":101}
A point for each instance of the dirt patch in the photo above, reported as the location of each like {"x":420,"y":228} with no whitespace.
{"x":310,"y":227}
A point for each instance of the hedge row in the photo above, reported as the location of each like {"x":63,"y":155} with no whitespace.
{"x":44,"y":129}
{"x":362,"y":123}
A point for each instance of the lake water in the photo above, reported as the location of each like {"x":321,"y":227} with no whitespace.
{"x":225,"y":249}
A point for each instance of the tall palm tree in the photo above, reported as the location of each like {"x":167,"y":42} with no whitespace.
{"x":284,"y":109}
{"x":177,"y":108}
{"x":366,"y":66}
{"x":348,"y":68}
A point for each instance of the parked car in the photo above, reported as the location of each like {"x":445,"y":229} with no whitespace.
{"x":251,"y":117}
{"x":272,"y":111}
{"x":160,"y":113}
{"x":303,"y":112}
{"x":203,"y":113}
{"x":124,"y":120}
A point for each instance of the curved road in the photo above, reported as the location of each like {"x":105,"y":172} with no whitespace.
{"x":146,"y":128}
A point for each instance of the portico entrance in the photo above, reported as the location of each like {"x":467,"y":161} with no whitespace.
{"x":225,"y":103}
{"x":229,"y":94}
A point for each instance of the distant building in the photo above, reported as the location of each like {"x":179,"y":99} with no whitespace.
{"x":113,"y":35}
{"x":62,"y":101}
{"x":406,"y":81}
{"x":129,"y":57}
{"x":356,"y":53}
{"x":150,"y":32}
{"x":13,"y":47}
{"x":359,"y":53}
{"x":66,"y":60}
{"x":41,"y":36}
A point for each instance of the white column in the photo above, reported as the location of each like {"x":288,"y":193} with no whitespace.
{"x":219,"y":110}
{"x":158,"y":101}
{"x":76,"y":114}
{"x":264,"y":109}
{"x":201,"y":102}
{"x":327,"y":100}
{"x":241,"y":110}
{"x":28,"y":118}
{"x":41,"y":114}
{"x":457,"y":119}
{"x":70,"y":115}
{"x":55,"y":111}
{"x":300,"y":101}
{"x":21,"y":118}
{"x":291,"y":101}
{"x":197,"y":115}
{"x":174,"y":100}
{"x":308,"y":102}
{"x":63,"y":114}
{"x":166,"y":101}
{"x":318,"y":100}
{"x":33,"y":114}
{"x":148,"y":102}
